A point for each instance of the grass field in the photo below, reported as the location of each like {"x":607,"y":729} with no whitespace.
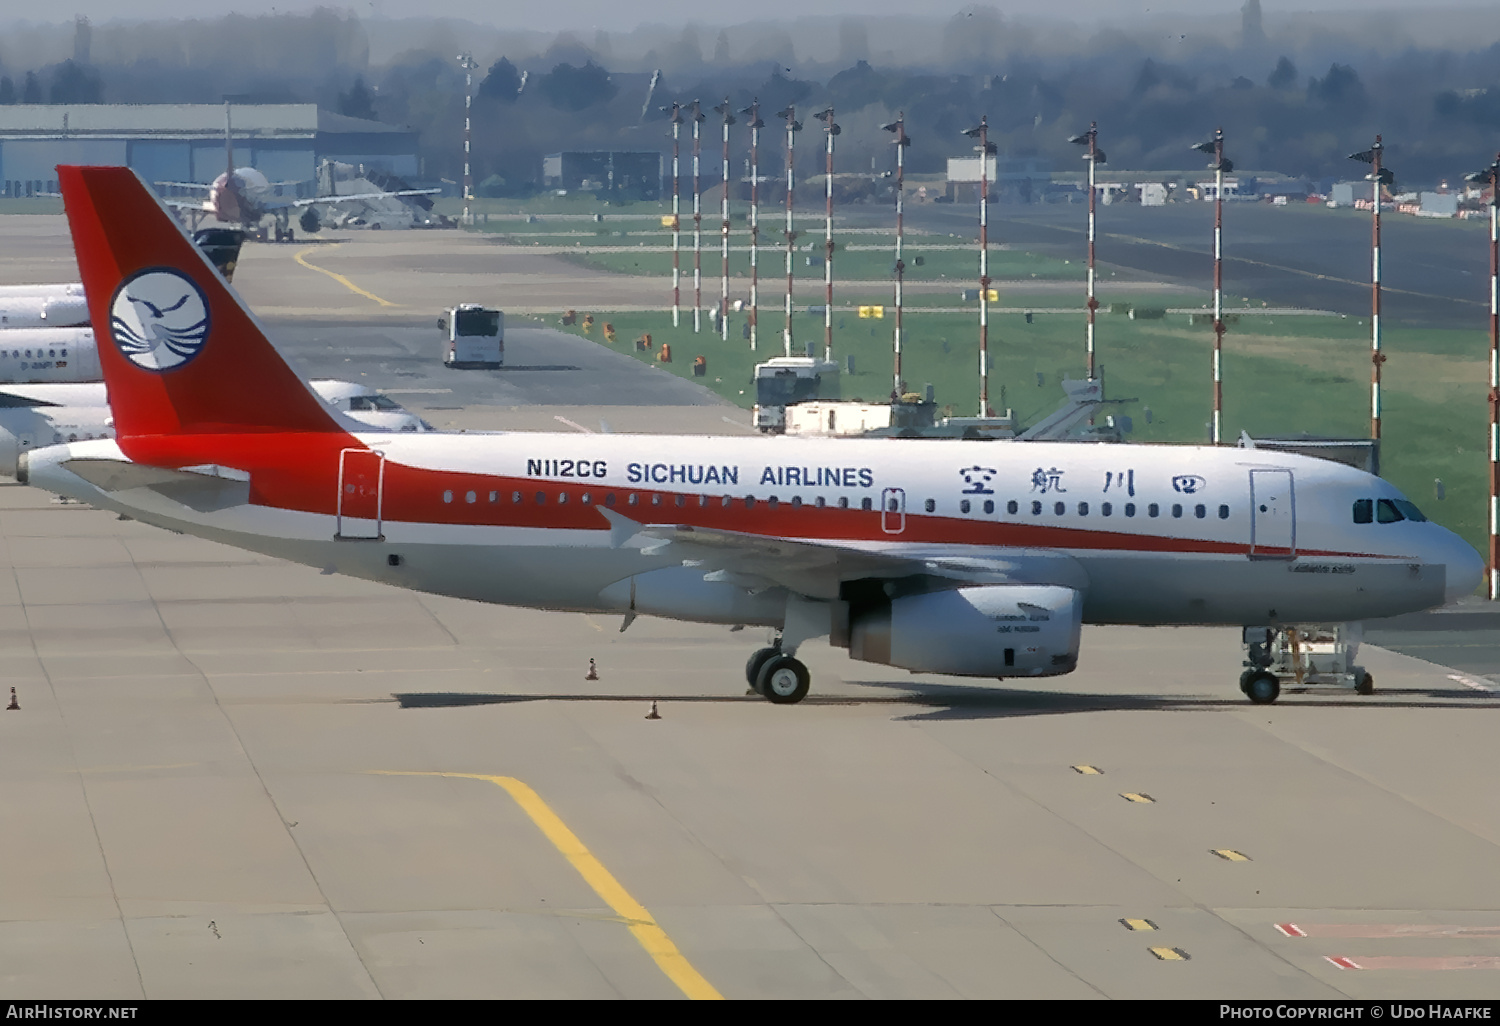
{"x":1283,"y":375}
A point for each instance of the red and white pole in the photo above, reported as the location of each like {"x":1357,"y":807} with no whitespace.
{"x":1491,"y":175}
{"x":830,"y":130}
{"x":697,"y":223}
{"x":753,"y":111}
{"x":1495,"y":380}
{"x":1376,"y":356}
{"x":983,"y":133}
{"x":724,"y":228}
{"x":1218,"y":420}
{"x":902,"y":142}
{"x":1093,"y":303}
{"x":791,"y":236}
{"x":676,"y":216}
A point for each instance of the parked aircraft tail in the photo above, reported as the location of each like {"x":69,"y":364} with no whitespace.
{"x":179,"y":351}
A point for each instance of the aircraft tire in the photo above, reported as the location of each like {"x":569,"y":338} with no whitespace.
{"x":783,"y":680}
{"x":1262,"y":688}
{"x":1366,"y":685}
{"x":757,"y":660}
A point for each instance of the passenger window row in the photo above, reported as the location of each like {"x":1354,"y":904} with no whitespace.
{"x":635,"y":499}
{"x":1107,"y":509}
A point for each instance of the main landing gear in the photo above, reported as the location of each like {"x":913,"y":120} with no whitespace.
{"x":779,"y":677}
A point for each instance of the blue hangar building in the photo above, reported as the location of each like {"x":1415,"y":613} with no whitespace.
{"x":184,"y":142}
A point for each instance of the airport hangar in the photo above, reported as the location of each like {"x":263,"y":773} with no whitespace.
{"x":184,"y":142}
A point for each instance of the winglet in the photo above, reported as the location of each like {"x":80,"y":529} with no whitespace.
{"x":621,"y":527}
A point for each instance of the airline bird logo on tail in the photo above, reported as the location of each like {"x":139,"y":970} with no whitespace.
{"x":159,"y":319}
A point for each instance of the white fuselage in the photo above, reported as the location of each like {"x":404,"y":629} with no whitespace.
{"x":1146,"y":534}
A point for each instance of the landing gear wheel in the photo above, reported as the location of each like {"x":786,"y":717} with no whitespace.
{"x":757,"y":660}
{"x":1366,"y":685}
{"x":1261,"y":687}
{"x":783,"y":680}
{"x":1245,"y":680}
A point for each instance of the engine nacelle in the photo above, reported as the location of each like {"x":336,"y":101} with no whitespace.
{"x":995,"y":630}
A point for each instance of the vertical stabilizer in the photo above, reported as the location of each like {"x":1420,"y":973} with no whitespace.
{"x":179,"y":352}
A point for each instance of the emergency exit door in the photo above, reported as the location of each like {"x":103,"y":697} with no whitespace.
{"x":893,"y":510}
{"x":1273,"y":515}
{"x":361,"y":493}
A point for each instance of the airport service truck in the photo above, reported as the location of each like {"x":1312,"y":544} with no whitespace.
{"x":476,"y":337}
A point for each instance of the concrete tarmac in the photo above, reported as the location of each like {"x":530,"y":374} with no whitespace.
{"x":206,"y":794}
{"x":235,"y":777}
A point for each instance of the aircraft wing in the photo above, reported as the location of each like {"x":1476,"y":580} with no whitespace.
{"x":276,"y":203}
{"x":185,"y":185}
{"x":817,"y":568}
{"x":186,"y":204}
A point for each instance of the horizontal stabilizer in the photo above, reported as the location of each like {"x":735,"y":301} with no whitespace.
{"x":204,"y":489}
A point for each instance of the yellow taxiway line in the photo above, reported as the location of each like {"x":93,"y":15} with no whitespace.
{"x":642,"y":925}
{"x":301,"y":259}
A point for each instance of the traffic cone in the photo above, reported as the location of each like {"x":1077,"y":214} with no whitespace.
{"x":13,"y":703}
{"x":653,"y":714}
{"x":593,"y":673}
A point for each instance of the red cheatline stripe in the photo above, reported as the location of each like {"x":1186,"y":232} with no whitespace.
{"x":1373,"y":931}
{"x":1418,"y":962}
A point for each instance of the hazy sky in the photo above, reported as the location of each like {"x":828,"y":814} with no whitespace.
{"x":612,"y":15}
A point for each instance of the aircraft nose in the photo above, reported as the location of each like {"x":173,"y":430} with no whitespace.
{"x":1465,"y":570}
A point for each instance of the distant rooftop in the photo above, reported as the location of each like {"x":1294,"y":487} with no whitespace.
{"x":178,"y":120}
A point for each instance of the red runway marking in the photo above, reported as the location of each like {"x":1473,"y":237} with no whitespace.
{"x":1372,"y":931}
{"x":1417,"y":962}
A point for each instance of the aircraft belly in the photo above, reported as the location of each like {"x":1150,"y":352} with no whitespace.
{"x":1237,"y":591}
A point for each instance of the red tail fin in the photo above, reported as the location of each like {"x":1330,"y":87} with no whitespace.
{"x":180,"y":354}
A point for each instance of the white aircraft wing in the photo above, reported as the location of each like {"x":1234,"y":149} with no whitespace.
{"x":185,"y":185}
{"x":276,"y":203}
{"x":817,"y":568}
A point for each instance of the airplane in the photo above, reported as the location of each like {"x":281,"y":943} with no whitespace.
{"x":245,"y":196}
{"x":63,"y":305}
{"x":932,"y":555}
{"x":35,"y":355}
{"x":33,"y":415}
{"x":43,"y":306}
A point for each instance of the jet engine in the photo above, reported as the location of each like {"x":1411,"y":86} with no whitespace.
{"x":982,"y":631}
{"x":310,"y":221}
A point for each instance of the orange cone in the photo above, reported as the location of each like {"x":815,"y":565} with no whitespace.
{"x":593,"y":673}
{"x":13,"y":703}
{"x":653,"y":714}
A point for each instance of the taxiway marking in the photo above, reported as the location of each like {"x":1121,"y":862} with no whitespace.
{"x":572,"y":424}
{"x":1229,"y":855}
{"x":1088,"y":771}
{"x":640,"y":922}
{"x":1137,"y":924}
{"x":1470,"y":682}
{"x":1132,"y":796}
{"x":1428,"y":962}
{"x":1374,"y":931}
{"x":300,"y":258}
{"x":1170,"y":954}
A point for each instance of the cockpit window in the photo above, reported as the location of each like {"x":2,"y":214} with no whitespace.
{"x":1386,"y":512}
{"x":385,"y":404}
{"x":1364,"y":511}
{"x":1410,"y":509}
